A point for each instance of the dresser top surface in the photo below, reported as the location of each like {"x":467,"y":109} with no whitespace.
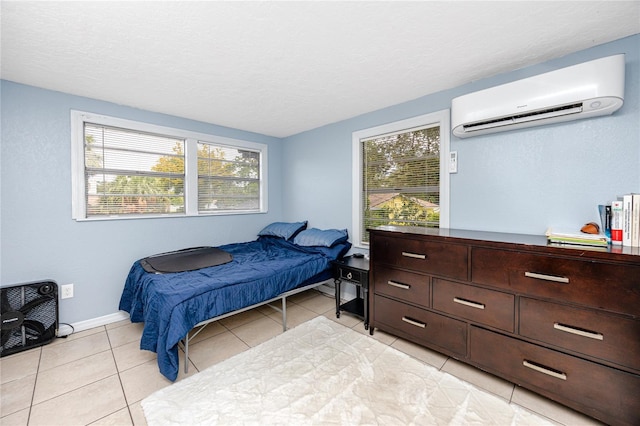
{"x":520,"y":241}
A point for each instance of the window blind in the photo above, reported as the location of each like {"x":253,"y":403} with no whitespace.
{"x":228,"y":178}
{"x":129,"y":172}
{"x":401,"y":179}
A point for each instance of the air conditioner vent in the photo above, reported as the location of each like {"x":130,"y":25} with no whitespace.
{"x":521,"y":118}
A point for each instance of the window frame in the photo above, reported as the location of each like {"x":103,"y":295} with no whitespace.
{"x":439,"y":118}
{"x":78,"y":203}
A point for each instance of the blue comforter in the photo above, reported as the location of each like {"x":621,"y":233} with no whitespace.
{"x":170,"y":305}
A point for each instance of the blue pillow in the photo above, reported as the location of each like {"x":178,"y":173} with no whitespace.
{"x":284,"y":230}
{"x":324,"y":238}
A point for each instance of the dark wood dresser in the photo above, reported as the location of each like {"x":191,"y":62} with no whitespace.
{"x":562,"y":322}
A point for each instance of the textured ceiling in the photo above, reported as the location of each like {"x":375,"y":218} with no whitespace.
{"x":280,"y":68}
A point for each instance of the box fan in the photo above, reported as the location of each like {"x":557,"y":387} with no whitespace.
{"x":29,"y":315}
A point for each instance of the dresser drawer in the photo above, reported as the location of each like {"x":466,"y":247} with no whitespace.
{"x":407,"y":286}
{"x":589,"y":332}
{"x":476,"y":304}
{"x":448,"y":260}
{"x":421,"y":326}
{"x":614,"y":287}
{"x":602,"y":392}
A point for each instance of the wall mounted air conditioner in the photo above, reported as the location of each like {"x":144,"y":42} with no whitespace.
{"x":585,"y":90}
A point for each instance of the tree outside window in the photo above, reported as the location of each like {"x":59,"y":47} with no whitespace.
{"x":401,"y":179}
{"x":134,"y":172}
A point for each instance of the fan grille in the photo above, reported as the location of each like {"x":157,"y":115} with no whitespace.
{"x":36,"y":306}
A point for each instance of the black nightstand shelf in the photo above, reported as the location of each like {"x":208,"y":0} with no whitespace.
{"x":353,"y":271}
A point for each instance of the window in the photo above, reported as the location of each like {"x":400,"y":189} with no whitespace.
{"x":228,"y":178}
{"x":400,"y":176}
{"x":127,"y":169}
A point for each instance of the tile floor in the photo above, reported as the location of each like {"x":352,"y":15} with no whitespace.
{"x":99,"y":376}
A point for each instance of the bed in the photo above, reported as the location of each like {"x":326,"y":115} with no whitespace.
{"x":286,"y":258}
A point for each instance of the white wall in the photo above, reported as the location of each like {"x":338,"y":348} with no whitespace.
{"x":519,"y":181}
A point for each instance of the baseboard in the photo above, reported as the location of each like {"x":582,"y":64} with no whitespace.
{"x":66,"y":329}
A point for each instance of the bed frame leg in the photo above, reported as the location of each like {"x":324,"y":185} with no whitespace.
{"x":284,"y":314}
{"x":186,"y":354}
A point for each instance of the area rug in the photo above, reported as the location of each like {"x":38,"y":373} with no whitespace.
{"x":322,"y":373}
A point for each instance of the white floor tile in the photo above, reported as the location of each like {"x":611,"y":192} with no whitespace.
{"x":16,"y":395}
{"x":81,"y":406}
{"x":550,"y":409}
{"x":479,"y":378}
{"x":54,"y":356}
{"x":217,"y":348}
{"x":17,"y":366}
{"x":57,"y":381}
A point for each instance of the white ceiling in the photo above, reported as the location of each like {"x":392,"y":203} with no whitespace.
{"x":280,"y":68}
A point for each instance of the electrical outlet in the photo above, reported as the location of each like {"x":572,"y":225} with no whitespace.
{"x":66,"y":291}
{"x":453,"y":162}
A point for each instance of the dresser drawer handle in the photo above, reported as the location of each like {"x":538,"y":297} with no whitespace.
{"x":399,"y":285}
{"x":414,"y":255}
{"x":414,"y":322}
{"x":553,"y":278}
{"x":349,"y":275}
{"x":545,"y":370}
{"x":578,"y":331}
{"x":468,"y":303}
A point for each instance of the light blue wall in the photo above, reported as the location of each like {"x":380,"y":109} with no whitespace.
{"x":39,"y":238}
{"x":519,"y":181}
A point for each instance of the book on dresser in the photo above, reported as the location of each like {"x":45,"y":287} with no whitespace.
{"x":627,"y":221}
{"x":617,"y":222}
{"x":561,"y":322}
{"x":605,"y":219}
{"x":635,"y":220}
{"x":558,"y":236}
{"x":628,"y":206}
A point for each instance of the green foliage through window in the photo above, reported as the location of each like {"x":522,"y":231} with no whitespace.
{"x":228,"y":178}
{"x":129,"y":172}
{"x":401,"y":179}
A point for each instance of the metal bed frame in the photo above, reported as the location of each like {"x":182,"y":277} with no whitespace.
{"x":283,"y":296}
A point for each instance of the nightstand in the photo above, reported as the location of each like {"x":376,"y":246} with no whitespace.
{"x":353,"y":271}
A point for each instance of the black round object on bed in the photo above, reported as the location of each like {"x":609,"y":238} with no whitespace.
{"x":188,"y":259}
